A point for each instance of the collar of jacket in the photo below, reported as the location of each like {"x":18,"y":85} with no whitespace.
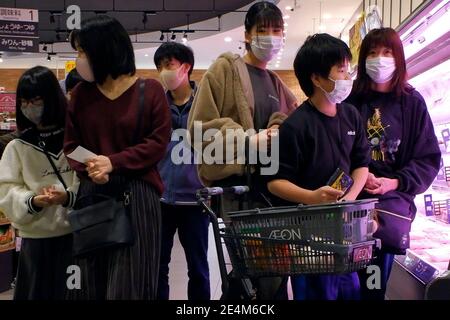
{"x":246,"y":99}
{"x":194,"y":90}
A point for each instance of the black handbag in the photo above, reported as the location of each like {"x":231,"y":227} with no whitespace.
{"x":100,"y":221}
{"x":103,"y":224}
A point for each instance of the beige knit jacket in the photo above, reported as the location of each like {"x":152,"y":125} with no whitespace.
{"x":225,"y":100}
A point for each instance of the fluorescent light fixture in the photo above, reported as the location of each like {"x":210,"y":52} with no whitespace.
{"x":285,"y":17}
{"x":228,"y":39}
{"x":425,"y":32}
{"x":288,"y":8}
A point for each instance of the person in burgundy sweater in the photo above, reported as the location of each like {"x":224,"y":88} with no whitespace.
{"x":103,"y":117}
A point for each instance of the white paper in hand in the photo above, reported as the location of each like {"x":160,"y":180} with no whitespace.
{"x":81,"y":154}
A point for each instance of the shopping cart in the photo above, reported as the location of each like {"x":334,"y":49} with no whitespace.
{"x":284,"y":241}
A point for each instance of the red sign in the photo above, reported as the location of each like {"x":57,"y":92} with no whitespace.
{"x":7,"y":111}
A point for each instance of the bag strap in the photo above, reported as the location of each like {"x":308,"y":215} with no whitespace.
{"x":44,"y":148}
{"x":140,"y":111}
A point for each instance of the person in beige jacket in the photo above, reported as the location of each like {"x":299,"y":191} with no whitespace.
{"x":239,"y":93}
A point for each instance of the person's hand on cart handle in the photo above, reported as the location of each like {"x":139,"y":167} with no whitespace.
{"x":325,"y":194}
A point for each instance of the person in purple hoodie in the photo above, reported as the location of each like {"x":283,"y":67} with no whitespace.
{"x":404,"y":149}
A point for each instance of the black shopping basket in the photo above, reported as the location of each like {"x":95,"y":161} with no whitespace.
{"x":283,"y":241}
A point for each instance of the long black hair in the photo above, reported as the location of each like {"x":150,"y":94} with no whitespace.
{"x":41,"y":82}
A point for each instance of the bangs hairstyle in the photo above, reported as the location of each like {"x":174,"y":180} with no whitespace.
{"x":107,"y":46}
{"x":41,"y":82}
{"x":318,"y":55}
{"x":263,"y":14}
{"x":389,"y":38}
{"x":174,"y":50}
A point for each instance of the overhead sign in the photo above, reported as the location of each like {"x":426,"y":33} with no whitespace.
{"x":19,"y":30}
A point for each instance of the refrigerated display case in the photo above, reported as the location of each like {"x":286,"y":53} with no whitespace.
{"x":425,"y":266}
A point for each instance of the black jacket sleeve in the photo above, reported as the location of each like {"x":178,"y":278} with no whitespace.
{"x":423,"y":164}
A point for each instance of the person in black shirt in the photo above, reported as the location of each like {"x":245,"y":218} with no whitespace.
{"x":323,"y":134}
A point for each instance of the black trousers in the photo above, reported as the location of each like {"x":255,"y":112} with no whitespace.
{"x":42,"y":270}
{"x":192,"y":224}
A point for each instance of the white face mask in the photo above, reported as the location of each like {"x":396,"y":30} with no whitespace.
{"x":342,"y":89}
{"x":380,"y":69}
{"x":84,"y":69}
{"x":171,"y":79}
{"x":33,"y":113}
{"x":266,"y":47}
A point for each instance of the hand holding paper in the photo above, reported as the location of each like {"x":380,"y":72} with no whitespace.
{"x":81,"y":154}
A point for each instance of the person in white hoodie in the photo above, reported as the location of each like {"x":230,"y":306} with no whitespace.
{"x":38,"y":187}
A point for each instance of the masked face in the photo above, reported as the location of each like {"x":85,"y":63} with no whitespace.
{"x":342,"y":89}
{"x":172,"y":79}
{"x":266,"y":47}
{"x":84,"y":69}
{"x":33,"y":112}
{"x":380,"y":69}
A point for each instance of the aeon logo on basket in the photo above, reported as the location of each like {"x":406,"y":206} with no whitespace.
{"x":285,"y":234}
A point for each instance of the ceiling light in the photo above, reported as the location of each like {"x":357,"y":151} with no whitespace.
{"x":285,"y":24}
{"x":327,"y":16}
{"x":228,"y":39}
{"x":288,"y":8}
{"x":185,"y":39}
{"x":49,"y":58}
{"x":286,"y":17}
{"x":44,"y":48}
{"x":146,"y":55}
{"x":173,"y":36}
{"x":277,"y":65}
{"x":161,"y":38}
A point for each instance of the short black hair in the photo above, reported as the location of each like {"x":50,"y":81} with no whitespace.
{"x":41,"y":82}
{"x":263,"y":13}
{"x":318,"y":55}
{"x":175,"y":50}
{"x":72,"y":79}
{"x":107,"y":46}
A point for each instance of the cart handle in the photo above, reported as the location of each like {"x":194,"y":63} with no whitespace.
{"x":215,"y":191}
